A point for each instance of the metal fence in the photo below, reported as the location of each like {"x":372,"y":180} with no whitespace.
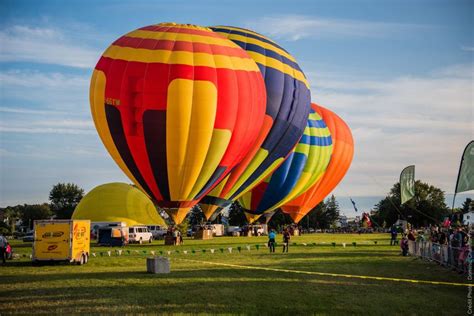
{"x":453,"y":257}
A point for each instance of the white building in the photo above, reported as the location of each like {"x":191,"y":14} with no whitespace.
{"x":468,"y":218}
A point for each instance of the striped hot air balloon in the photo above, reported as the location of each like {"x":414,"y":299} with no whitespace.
{"x":177,"y":107}
{"x":287,"y":109}
{"x":303,"y":167}
{"x":341,"y":158}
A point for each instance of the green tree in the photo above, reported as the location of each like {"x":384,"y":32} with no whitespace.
{"x":332,"y":210}
{"x":279,"y":220}
{"x":196,"y":216}
{"x":30,"y":213}
{"x":236,"y":215}
{"x":324,"y":215}
{"x":427,"y":206}
{"x":9,"y":216}
{"x":466,"y":205}
{"x":311,"y":220}
{"x":64,"y":198}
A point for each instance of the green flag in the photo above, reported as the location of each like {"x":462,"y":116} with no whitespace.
{"x":407,"y":183}
{"x":466,"y":170}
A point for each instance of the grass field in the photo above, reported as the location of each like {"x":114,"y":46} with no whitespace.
{"x":119,"y":284}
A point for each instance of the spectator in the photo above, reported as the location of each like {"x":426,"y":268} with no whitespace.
{"x":393,"y":233}
{"x":271,"y":240}
{"x":3,"y":248}
{"x":286,"y":240}
{"x":175,"y":236}
{"x":404,"y":245}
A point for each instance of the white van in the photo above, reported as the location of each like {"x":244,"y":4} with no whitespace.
{"x":157,"y":231}
{"x":139,"y":234}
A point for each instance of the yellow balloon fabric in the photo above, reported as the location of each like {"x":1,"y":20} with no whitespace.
{"x":118,"y":202}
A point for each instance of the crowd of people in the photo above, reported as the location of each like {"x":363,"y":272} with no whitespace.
{"x":445,"y":245}
{"x":174,"y":233}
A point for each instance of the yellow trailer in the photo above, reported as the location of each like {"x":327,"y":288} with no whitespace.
{"x":61,"y":240}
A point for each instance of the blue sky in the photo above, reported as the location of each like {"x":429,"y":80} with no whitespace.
{"x":399,"y":72}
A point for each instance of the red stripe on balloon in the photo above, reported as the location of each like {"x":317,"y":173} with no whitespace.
{"x":184,"y":46}
{"x":182,"y":30}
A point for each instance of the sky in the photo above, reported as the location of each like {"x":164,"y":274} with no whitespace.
{"x":400,"y":73}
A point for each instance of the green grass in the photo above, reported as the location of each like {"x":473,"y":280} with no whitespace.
{"x":120,"y":285}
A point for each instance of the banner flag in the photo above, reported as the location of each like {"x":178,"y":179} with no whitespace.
{"x":354,"y":204}
{"x":466,"y":170}
{"x":407,"y":184}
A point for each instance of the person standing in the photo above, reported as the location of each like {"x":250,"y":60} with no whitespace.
{"x":271,"y":240}
{"x":3,"y":248}
{"x":394,"y":233}
{"x":286,"y":240}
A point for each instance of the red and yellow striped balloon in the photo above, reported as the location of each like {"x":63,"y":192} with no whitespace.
{"x":177,"y":107}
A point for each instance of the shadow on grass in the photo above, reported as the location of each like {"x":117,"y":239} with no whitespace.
{"x":245,"y":292}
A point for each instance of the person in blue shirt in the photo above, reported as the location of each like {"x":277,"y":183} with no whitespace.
{"x":271,"y":240}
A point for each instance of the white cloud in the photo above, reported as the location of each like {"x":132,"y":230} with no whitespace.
{"x":421,"y":120}
{"x":468,"y":48}
{"x":296,"y":27}
{"x":45,"y":45}
{"x":45,"y":130}
{"x":44,"y":91}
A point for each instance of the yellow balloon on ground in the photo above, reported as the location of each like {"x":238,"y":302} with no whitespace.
{"x":118,"y":202}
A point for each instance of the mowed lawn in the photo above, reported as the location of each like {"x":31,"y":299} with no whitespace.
{"x":120,"y":284}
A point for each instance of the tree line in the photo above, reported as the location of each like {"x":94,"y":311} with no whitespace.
{"x":427,"y":207}
{"x":63,"y":199}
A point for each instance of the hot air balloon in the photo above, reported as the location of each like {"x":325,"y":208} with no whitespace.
{"x":177,"y":107}
{"x":303,"y":167}
{"x":287,"y":110}
{"x":343,"y":151}
{"x":118,"y":202}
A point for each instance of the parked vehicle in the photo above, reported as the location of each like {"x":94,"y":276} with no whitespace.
{"x":217,"y":229}
{"x":30,"y":237}
{"x":157,"y":231}
{"x":115,"y":236}
{"x":61,"y":240}
{"x":233,"y":230}
{"x":139,"y":234}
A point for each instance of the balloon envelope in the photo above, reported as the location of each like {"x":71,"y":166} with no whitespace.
{"x":177,"y":107}
{"x":287,"y":109}
{"x":118,"y":202}
{"x":343,"y":151}
{"x":302,"y":168}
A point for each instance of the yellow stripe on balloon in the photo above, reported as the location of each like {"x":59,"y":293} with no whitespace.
{"x":190,"y":116}
{"x":270,"y":169}
{"x":173,"y":36}
{"x":97,"y":102}
{"x":219,"y":142}
{"x":180,"y":58}
{"x":278,"y":65}
{"x":256,"y":161}
{"x":246,"y":200}
{"x":250,"y":40}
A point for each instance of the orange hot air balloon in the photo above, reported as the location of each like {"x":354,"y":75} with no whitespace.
{"x":343,"y":151}
{"x":177,"y":107}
